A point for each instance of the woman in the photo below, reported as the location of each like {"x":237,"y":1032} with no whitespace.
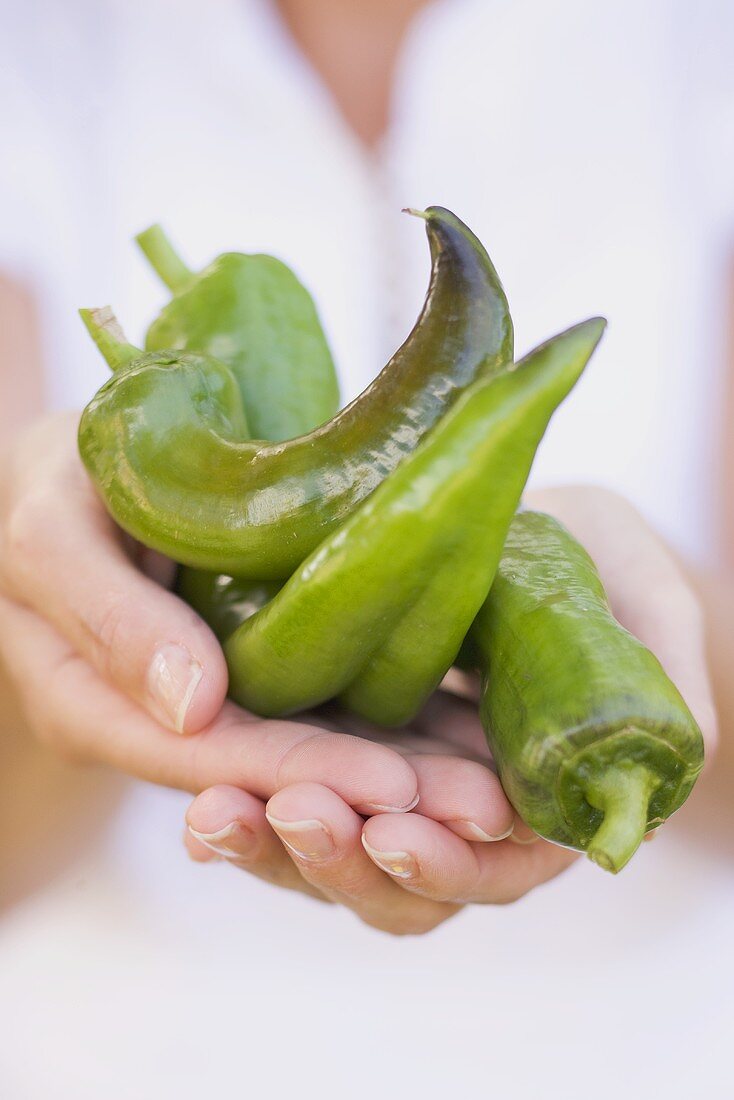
{"x":303,"y":132}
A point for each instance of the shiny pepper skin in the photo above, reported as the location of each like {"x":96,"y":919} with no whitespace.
{"x":593,"y":743}
{"x":165,"y":441}
{"x":251,"y":313}
{"x":377,"y":613}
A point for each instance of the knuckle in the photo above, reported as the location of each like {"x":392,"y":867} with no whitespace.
{"x":29,"y":531}
{"x":291,"y":765}
{"x":271,"y":870}
{"x":70,"y":753}
{"x":352,"y":884}
{"x":50,"y":732}
{"x":105,"y":624}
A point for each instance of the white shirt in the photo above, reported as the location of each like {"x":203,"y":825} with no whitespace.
{"x":591,"y":147}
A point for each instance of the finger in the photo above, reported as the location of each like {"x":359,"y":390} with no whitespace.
{"x":446,"y":726}
{"x":522,"y":833}
{"x":323,"y":837}
{"x":64,"y":557}
{"x":455,"y":720}
{"x":230,"y":824}
{"x":461,"y":792}
{"x":426,"y":858}
{"x":464,"y":796}
{"x":666,"y":616}
{"x":72,"y":706}
{"x":197,"y":851}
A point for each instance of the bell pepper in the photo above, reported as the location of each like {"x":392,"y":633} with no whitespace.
{"x":252,"y":313}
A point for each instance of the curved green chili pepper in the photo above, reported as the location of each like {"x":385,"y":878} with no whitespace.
{"x":169,"y":456}
{"x":252,"y":313}
{"x":593,"y":743}
{"x":377,"y":613}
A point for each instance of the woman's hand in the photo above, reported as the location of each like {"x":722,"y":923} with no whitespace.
{"x":109,"y":666}
{"x":409,"y":872}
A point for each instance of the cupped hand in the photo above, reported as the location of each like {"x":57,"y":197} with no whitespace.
{"x":407,"y":873}
{"x":109,"y":666}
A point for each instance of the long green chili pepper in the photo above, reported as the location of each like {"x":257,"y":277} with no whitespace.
{"x":165,"y":441}
{"x":252,"y":313}
{"x":593,"y":743}
{"x":377,"y":613}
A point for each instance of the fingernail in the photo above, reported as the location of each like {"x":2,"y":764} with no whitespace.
{"x":379,"y":809}
{"x":523,"y":838}
{"x":234,"y":839}
{"x":309,"y":840}
{"x":397,"y":864}
{"x":479,"y":834}
{"x":173,"y":677}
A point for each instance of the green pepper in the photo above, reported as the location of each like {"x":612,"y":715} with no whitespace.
{"x":378,"y":611}
{"x":223,"y":602}
{"x":252,"y":313}
{"x":593,"y":743}
{"x":165,"y":441}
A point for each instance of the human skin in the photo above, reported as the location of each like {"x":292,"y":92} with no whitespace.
{"x":354,"y":46}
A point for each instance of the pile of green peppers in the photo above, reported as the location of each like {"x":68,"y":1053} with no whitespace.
{"x":357,"y":553}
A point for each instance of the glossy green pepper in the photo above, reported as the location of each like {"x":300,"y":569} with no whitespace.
{"x":165,"y":442}
{"x":222,"y":601}
{"x":593,"y":743}
{"x":378,"y":611}
{"x":252,"y":313}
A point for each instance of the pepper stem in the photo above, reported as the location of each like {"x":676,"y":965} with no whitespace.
{"x":623,"y":795}
{"x":163,"y":258}
{"x":104,"y":328}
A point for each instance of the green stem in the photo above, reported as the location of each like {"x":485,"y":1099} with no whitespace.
{"x":623,"y":795}
{"x":104,"y":328}
{"x":164,"y":259}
